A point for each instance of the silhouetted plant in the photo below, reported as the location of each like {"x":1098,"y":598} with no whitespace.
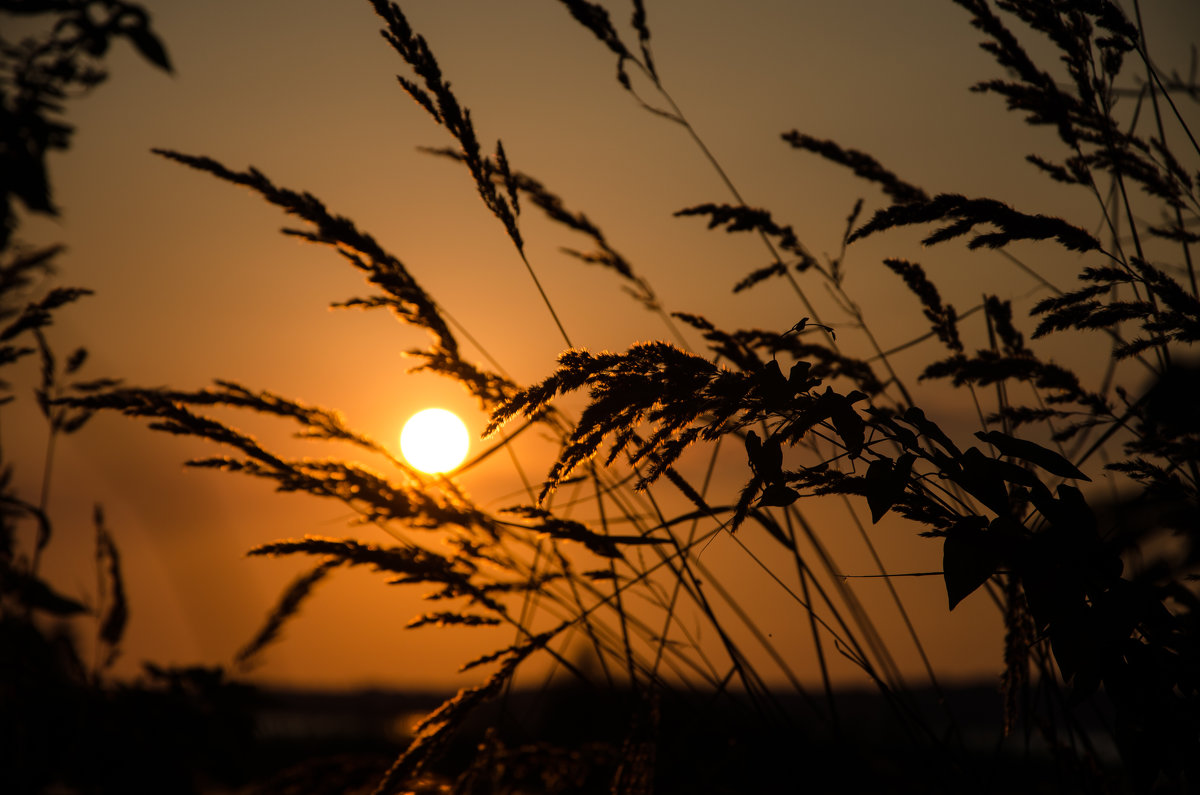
{"x":64,"y":726}
{"x":1079,"y":618}
{"x":38,"y":74}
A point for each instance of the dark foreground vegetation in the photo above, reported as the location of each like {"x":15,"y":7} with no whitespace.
{"x":189,"y":731}
{"x":1100,"y":677}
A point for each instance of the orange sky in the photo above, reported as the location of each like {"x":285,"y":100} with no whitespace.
{"x":194,"y":282}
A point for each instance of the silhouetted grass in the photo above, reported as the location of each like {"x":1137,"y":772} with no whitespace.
{"x":65,"y":725}
{"x":819,"y":418}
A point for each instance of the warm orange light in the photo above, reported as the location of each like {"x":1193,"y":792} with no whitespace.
{"x":434,"y":440}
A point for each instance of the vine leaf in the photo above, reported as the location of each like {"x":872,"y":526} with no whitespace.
{"x":779,"y":495}
{"x":885,"y":483}
{"x":968,"y":560}
{"x":1034,"y":453}
{"x":766,"y":458}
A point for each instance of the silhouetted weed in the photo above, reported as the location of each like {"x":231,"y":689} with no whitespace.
{"x":1009,"y":504}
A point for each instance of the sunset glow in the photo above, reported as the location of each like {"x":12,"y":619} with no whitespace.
{"x":434,"y":440}
{"x":193,"y":282}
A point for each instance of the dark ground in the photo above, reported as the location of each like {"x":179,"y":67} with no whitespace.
{"x":573,"y":740}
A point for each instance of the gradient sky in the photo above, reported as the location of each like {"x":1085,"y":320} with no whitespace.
{"x":194,"y":282}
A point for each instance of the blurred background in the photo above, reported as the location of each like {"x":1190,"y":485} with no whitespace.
{"x":193,"y":281}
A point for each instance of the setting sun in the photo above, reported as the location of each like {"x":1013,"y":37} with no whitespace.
{"x":434,"y":440}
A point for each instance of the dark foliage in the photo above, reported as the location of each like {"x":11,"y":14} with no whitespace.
{"x":1016,"y":521}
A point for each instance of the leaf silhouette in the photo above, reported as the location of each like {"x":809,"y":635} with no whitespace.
{"x":1034,"y":453}
{"x":886,"y":483}
{"x":968,"y":560}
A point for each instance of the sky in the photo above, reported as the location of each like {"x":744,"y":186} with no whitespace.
{"x":194,"y":282}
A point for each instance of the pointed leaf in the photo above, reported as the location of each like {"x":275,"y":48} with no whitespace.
{"x":149,"y":45}
{"x":779,"y":495}
{"x":915,"y":417}
{"x":982,"y":480}
{"x":849,"y":426}
{"x":753,"y":449}
{"x":878,"y":495}
{"x":1034,"y":453}
{"x":968,"y":561}
{"x":766,"y":458}
{"x":799,"y":379}
{"x":774,"y":386}
{"x":886,"y":483}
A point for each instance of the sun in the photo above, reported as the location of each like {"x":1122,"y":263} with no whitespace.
{"x":434,"y":440}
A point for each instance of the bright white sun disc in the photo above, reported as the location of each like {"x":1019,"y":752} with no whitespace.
{"x":434,"y":440}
